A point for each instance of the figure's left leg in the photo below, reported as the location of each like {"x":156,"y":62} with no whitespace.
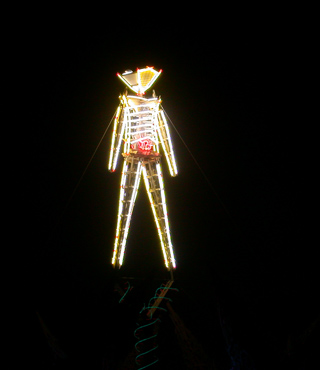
{"x":130,"y":180}
{"x":152,"y":176}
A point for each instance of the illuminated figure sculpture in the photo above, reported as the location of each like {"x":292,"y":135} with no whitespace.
{"x":141,"y":124}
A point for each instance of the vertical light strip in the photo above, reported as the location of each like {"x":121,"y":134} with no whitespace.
{"x":154,"y":121}
{"x":171,"y":153}
{"x":115,"y":152}
{"x":165,"y":212}
{"x":114,"y":135}
{"x":128,"y":129}
{"x":123,"y":180}
{"x":145,"y":177}
{"x":116,"y":155}
{"x":163,"y":145}
{"x":133,"y":198}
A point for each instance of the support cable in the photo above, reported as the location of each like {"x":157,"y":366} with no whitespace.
{"x":77,"y":185}
{"x":84,"y":172}
{"x":88,"y":164}
{"x":201,"y":170}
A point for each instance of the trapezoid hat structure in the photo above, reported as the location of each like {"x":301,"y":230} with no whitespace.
{"x":141,"y":134}
{"x":141,"y":80}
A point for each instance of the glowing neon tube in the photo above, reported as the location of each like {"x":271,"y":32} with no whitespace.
{"x":114,"y":135}
{"x":145,"y":177}
{"x":126,"y":228}
{"x":169,"y":153}
{"x":140,"y":120}
{"x":163,"y":197}
{"x":118,"y":228}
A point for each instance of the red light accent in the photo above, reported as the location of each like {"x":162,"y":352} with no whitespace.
{"x":160,"y":71}
{"x":145,"y":145}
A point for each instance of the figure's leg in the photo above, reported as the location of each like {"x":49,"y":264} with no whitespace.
{"x":129,"y":185}
{"x":152,"y":176}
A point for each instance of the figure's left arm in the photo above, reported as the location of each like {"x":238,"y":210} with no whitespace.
{"x":165,"y":138}
{"x":117,"y":136}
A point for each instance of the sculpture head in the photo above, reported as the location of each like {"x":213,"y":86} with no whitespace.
{"x":141,"y":80}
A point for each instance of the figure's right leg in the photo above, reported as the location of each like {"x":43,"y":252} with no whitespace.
{"x":129,"y":185}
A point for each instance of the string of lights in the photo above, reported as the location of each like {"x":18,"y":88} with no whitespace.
{"x":147,"y":331}
{"x":140,"y":128}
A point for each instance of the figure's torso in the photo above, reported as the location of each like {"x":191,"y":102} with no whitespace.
{"x":141,"y":137}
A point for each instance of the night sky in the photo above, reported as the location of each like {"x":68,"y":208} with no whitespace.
{"x":239,"y":215}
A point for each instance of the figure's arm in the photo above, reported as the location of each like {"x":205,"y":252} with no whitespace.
{"x":117,"y":136}
{"x":164,"y":135}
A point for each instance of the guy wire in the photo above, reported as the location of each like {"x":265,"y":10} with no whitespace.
{"x":83,"y":173}
{"x":42,"y":251}
{"x":201,"y":170}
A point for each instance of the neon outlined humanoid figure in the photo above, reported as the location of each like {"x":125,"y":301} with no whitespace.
{"x":140,"y":122}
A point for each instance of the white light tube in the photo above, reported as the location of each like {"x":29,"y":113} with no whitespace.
{"x":145,"y":177}
{"x":165,"y":150}
{"x":123,"y":180}
{"x":133,"y":198}
{"x":142,"y":98}
{"x":130,"y":87}
{"x":140,"y":132}
{"x":165,"y":212}
{"x":175,"y":170}
{"x":114,"y":135}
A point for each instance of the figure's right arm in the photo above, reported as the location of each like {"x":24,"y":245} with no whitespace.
{"x":117,"y":136}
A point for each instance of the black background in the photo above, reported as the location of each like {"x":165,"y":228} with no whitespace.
{"x":240,"y":215}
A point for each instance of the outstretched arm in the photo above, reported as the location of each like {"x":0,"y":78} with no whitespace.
{"x":117,"y":135}
{"x":164,"y":135}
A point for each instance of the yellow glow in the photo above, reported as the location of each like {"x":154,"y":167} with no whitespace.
{"x":116,"y":243}
{"x":165,"y":214}
{"x":145,"y":76}
{"x":145,"y":79}
{"x":167,"y":144}
{"x":119,"y":125}
{"x":145,"y":177}
{"x":114,"y":135}
{"x":138,"y":119}
{"x":134,"y":195}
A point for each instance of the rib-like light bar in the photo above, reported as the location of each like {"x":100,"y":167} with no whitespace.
{"x":142,"y":132}
{"x":150,"y":100}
